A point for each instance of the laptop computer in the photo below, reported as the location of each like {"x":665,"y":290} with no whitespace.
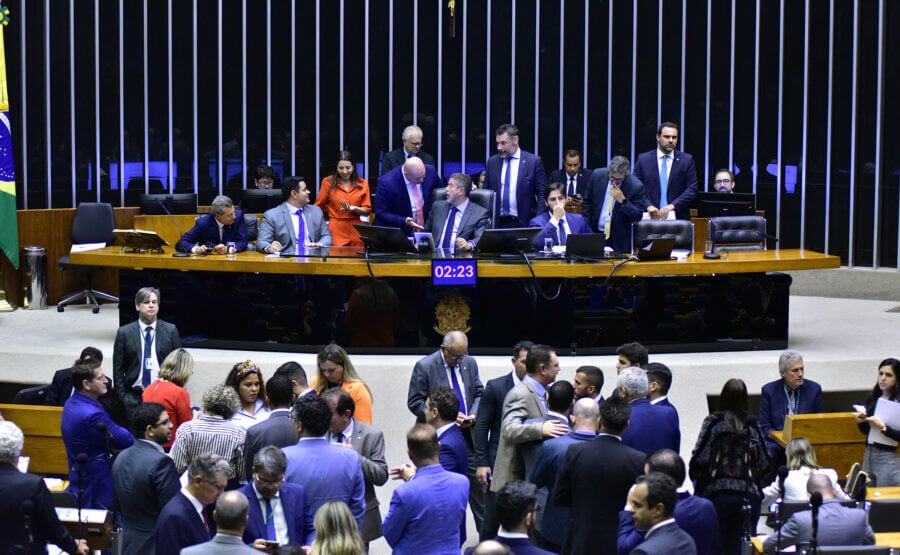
{"x":586,"y":245}
{"x":514,"y":240}
{"x":658,"y":249}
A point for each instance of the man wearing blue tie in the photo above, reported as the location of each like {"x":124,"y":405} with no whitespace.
{"x":293,"y":223}
{"x":557,"y":224}
{"x":669,"y":176}
{"x":518,"y":177}
{"x":456,"y":223}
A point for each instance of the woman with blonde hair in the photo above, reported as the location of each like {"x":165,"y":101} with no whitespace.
{"x":247,"y":381}
{"x":169,"y":390}
{"x":336,"y":370}
{"x":336,"y":531}
{"x":801,"y":464}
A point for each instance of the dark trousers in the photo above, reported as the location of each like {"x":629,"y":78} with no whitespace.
{"x":732,"y":519}
{"x":491,"y":524}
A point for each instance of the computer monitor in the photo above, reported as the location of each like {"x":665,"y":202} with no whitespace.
{"x":384,"y":239}
{"x":712,"y":205}
{"x":257,"y":201}
{"x":514,"y":240}
{"x":178,"y":203}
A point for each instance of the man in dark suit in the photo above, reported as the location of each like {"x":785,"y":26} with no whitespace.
{"x":135,"y":364}
{"x":144,"y":478}
{"x":573,"y":176}
{"x":486,"y":433}
{"x":283,"y":225}
{"x":560,"y":398}
{"x":518,"y":177}
{"x":669,"y":176}
{"x":652,"y":501}
{"x":277,"y":429}
{"x":556,"y":224}
{"x":588,"y":382}
{"x":268,"y":492}
{"x":594,"y":482}
{"x":613,"y":200}
{"x":29,"y":520}
{"x":469,"y":220}
{"x":231,"y":519}
{"x":61,"y":385}
{"x":652,"y":427}
{"x":791,"y":394}
{"x":224,"y":224}
{"x":368,"y":442}
{"x":403,"y":197}
{"x":660,"y":378}
{"x":441,"y":409}
{"x":185,"y":521}
{"x":516,"y":509}
{"x":412,"y":147}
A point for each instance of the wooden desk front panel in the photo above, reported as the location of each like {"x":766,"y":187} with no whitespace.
{"x":43,"y":437}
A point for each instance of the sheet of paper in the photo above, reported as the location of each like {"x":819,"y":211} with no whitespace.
{"x":88,"y":247}
{"x":889,"y":413}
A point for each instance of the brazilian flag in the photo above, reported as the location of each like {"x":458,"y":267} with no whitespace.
{"x":9,"y":228}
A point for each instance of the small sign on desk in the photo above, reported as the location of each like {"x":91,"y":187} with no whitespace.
{"x":454,"y":272}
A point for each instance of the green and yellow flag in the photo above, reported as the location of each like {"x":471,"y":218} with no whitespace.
{"x":9,"y":228}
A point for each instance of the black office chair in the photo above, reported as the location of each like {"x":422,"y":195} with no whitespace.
{"x":855,"y":549}
{"x":93,"y":223}
{"x":644,"y":231}
{"x":485,"y":198}
{"x":884,"y":515}
{"x":738,"y":233}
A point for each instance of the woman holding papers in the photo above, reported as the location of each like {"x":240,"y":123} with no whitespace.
{"x":881,"y":423}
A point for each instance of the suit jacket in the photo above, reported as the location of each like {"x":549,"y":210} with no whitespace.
{"x":327,"y":472}
{"x":486,"y":432}
{"x":220,"y":544}
{"x":529,"y":188}
{"x":392,"y":205}
{"x":694,"y":514}
{"x":773,"y":405}
{"x":15,"y":488}
{"x":519,"y":442}
{"x":454,"y":455}
{"x":667,"y":539}
{"x":80,"y":418}
{"x":179,"y":526}
{"x":546,"y":470}
{"x":581,"y":179}
{"x":127,"y":354}
{"x":681,"y":188}
{"x":838,"y":525}
{"x":297,"y":514}
{"x":397,"y":157}
{"x":368,"y":442}
{"x":623,"y":213}
{"x":594,"y":483}
{"x":471,"y":227}
{"x":652,"y":427}
{"x":576,"y":225}
{"x":145,"y":480}
{"x":61,"y":390}
{"x":206,"y":230}
{"x":430,"y":372}
{"x":426,"y":512}
{"x":277,"y":430}
{"x":278,"y":225}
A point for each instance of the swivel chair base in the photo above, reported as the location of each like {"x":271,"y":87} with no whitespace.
{"x":90,"y":297}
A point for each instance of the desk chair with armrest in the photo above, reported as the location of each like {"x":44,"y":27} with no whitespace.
{"x":738,"y":233}
{"x":855,"y":549}
{"x":644,"y":231}
{"x":486,"y":198}
{"x":93,"y":223}
{"x":884,"y":515}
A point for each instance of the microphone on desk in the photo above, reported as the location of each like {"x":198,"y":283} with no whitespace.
{"x":765,"y":235}
{"x":176,"y":254}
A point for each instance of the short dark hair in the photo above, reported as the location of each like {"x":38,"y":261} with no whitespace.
{"x":92,"y":353}
{"x":669,"y":463}
{"x":83,"y":371}
{"x":537,"y":355}
{"x":673,"y":125}
{"x":555,"y":186}
{"x":593,"y":375}
{"x":634,"y":352}
{"x":464,"y":181}
{"x":343,"y":400}
{"x":509,"y":129}
{"x":560,"y":395}
{"x":280,"y":391}
{"x":523,"y":345}
{"x":291,"y":184}
{"x":659,"y":373}
{"x":422,"y":442}
{"x":514,"y":501}
{"x":571,"y":153}
{"x":446,"y":402}
{"x":313,"y":413}
{"x":614,"y":414}
{"x":145,"y":414}
{"x":660,"y":489}
{"x":294,"y":371}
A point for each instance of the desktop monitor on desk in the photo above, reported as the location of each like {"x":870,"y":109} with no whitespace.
{"x":177,"y":203}
{"x":257,"y":201}
{"x":515,"y":240}
{"x":713,"y":205}
{"x":384,"y":239}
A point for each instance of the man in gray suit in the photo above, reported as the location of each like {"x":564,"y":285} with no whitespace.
{"x":468,"y":222}
{"x":231,"y":515}
{"x":520,"y":442}
{"x":277,"y":429}
{"x":144,"y":478}
{"x":368,"y":442}
{"x":293,"y":223}
{"x":140,"y":347}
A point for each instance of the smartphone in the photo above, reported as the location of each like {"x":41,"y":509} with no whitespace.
{"x":860,"y":408}
{"x":271,"y":545}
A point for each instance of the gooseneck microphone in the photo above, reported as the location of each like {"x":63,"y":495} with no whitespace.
{"x":782,"y":476}
{"x":816,"y":501}
{"x":176,"y":254}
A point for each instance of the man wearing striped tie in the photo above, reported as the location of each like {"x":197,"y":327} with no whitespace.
{"x":669,"y":176}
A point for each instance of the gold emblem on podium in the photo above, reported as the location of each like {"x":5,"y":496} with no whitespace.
{"x":452,"y":313}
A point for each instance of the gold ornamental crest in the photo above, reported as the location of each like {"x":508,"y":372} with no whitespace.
{"x":452,"y":313}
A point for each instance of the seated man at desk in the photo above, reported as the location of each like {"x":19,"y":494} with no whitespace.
{"x":224,"y":224}
{"x":556,"y":224}
{"x":293,"y":223}
{"x":456,"y":223}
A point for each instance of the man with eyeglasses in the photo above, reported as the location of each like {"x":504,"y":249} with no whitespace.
{"x":613,"y":200}
{"x":279,"y":512}
{"x":144,"y":478}
{"x":724,"y":181}
{"x":412,"y":148}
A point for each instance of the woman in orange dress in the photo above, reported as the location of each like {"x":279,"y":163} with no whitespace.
{"x":336,"y":370}
{"x":169,"y":390}
{"x":344,"y":196}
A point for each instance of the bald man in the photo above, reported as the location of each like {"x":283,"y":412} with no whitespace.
{"x":403,"y":196}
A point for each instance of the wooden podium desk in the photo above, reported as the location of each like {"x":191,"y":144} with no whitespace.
{"x":834,"y":436}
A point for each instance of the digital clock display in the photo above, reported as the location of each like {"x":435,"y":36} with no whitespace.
{"x":454,"y":272}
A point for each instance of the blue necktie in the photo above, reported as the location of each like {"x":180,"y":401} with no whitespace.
{"x":148,"y":352}
{"x":301,"y":230}
{"x":459,"y":393}
{"x":663,"y":181}
{"x":448,"y":229}
{"x":270,"y":521}
{"x":562,"y":231}
{"x":504,"y":197}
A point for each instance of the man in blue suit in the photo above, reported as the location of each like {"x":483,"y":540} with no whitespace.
{"x":325,"y":471}
{"x":660,"y":378}
{"x":669,"y":176}
{"x":427,"y":511}
{"x":403,"y":196}
{"x":224,"y":224}
{"x":556,"y":224}
{"x":267,"y":491}
{"x":185,"y":520}
{"x":652,"y":427}
{"x":518,"y":177}
{"x":652,"y":501}
{"x":516,"y":507}
{"x":277,"y":429}
{"x":89,"y":434}
{"x":469,"y":219}
{"x":283,"y":225}
{"x":441,"y":409}
{"x":572,"y":175}
{"x":790,"y":394}
{"x":613,"y":200}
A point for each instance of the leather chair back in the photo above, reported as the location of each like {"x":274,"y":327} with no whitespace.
{"x":682,"y":231}
{"x":486,"y":198}
{"x":93,"y":223}
{"x":738,"y":233}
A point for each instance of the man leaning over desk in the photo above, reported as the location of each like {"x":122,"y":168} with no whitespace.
{"x":224,"y":224}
